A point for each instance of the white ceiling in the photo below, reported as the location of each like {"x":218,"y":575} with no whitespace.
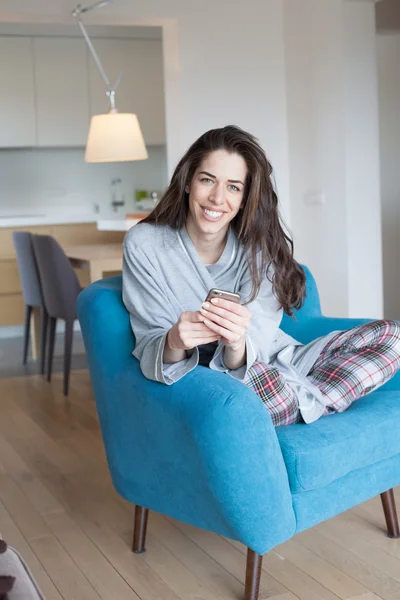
{"x":387,"y":12}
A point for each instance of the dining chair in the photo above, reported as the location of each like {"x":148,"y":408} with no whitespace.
{"x":60,"y":288}
{"x":31,"y":291}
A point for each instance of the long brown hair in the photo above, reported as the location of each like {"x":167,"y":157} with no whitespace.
{"x":257,"y":225}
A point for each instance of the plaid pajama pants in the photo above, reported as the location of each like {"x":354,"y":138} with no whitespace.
{"x":352,"y":364}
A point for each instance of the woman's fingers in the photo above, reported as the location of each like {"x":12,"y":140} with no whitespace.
{"x":217,"y":314}
{"x":192,"y":331}
{"x":190,"y":317}
{"x":227,"y":334}
{"x":237,"y":326}
{"x":193,"y":327}
{"x":205,"y":332}
{"x":241,"y":318}
{"x":206,"y":340}
{"x":206,"y":326}
{"x":224,"y":323}
{"x":232,"y":307}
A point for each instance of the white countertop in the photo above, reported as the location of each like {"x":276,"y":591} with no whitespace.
{"x":104,"y":222}
{"x":116,"y":224}
{"x":27,"y":220}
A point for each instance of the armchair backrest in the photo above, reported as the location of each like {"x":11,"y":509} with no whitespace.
{"x":106,"y":329}
{"x":109,"y":343}
{"x":310,"y":309}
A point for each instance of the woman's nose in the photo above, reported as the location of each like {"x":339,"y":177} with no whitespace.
{"x":217,"y":194}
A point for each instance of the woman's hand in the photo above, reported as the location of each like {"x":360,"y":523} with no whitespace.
{"x":189,"y":332}
{"x":228,"y":320}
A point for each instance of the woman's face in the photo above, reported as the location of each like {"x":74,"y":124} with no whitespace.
{"x":216,"y":193}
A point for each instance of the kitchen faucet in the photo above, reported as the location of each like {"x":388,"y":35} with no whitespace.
{"x":115,"y":186}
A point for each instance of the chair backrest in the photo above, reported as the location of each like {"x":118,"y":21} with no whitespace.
{"x":60,"y":285}
{"x":28,"y":270}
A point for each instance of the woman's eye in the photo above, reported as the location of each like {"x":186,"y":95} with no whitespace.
{"x":206,"y":180}
{"x":234,"y":188}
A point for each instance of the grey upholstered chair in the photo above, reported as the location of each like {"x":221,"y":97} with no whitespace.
{"x":60,"y":288}
{"x":31,"y":291}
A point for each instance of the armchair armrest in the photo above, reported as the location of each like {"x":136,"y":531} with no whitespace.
{"x":314,"y":327}
{"x":202,"y":450}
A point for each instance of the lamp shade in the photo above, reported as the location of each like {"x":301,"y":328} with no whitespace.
{"x":115,"y":137}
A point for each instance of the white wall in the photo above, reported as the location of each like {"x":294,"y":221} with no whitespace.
{"x":46,"y":181}
{"x":278,"y":69}
{"x":333,"y":135}
{"x":389,"y":110}
{"x":316,"y":132}
{"x":363,"y":198}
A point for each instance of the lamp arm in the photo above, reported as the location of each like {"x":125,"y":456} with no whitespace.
{"x":95,"y":55}
{"x":76,"y":13}
{"x":79,"y":10}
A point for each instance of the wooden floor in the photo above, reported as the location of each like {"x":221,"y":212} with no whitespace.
{"x":59,"y":510}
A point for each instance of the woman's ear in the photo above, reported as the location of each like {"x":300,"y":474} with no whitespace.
{"x":187,"y":189}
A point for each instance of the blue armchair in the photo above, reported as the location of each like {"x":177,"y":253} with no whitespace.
{"x":204,"y":450}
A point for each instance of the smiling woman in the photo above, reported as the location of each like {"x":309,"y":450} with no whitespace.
{"x":218,"y":226}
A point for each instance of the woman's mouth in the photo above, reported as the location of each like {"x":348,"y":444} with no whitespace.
{"x":212,"y":215}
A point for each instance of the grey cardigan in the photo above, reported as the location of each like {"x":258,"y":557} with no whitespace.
{"x":164,"y":276}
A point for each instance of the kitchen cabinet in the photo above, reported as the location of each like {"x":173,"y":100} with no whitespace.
{"x":61,"y":91}
{"x":141,"y":90}
{"x":50,"y":87}
{"x":17,"y":104}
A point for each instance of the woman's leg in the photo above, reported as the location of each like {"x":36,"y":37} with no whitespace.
{"x":357,"y":361}
{"x":278,"y":397}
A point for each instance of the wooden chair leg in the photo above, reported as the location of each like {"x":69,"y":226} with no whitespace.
{"x":44,"y":318}
{"x":52,"y":337}
{"x":69,"y":333}
{"x":389,"y":509}
{"x":27,"y":329}
{"x":140,"y":528}
{"x":253,"y":575}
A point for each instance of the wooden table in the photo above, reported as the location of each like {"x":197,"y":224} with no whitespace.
{"x":98,"y":258}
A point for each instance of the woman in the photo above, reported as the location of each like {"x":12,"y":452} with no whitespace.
{"x":218,"y":225}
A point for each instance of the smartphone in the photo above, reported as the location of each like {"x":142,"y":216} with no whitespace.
{"x":215,"y":293}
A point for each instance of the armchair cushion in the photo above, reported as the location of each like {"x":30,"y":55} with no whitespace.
{"x":341,"y":443}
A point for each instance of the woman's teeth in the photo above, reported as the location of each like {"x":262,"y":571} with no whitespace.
{"x":212,"y":214}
